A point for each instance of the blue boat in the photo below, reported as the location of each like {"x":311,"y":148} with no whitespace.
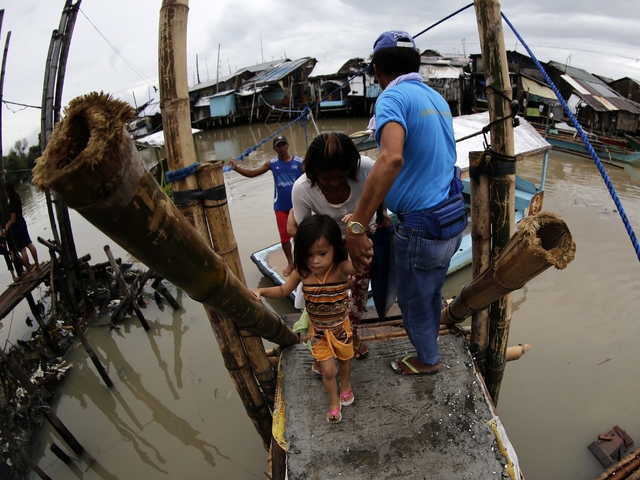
{"x":528,"y":197}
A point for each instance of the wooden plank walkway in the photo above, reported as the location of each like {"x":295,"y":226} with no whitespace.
{"x":441,"y":426}
{"x":16,"y":292}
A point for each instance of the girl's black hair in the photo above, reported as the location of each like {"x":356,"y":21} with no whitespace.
{"x":397,"y":61}
{"x":331,"y":151}
{"x":309,"y":231}
{"x":13,"y":195}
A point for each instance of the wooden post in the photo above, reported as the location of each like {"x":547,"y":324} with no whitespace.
{"x":6,"y":434}
{"x":160,"y":289}
{"x":499,"y":94}
{"x":130,"y":295}
{"x":77,"y":327}
{"x":179,"y":145}
{"x":480,"y":252}
{"x":31,"y":389}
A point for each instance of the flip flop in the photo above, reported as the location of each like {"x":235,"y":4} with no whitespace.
{"x":334,"y":416}
{"x":316,"y":369}
{"x":431,"y":369}
{"x":348,"y":398}
{"x":357,"y":353}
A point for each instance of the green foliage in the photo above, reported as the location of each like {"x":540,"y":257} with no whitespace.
{"x":21,"y":160}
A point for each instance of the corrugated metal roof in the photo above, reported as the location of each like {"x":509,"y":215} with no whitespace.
{"x":433,"y":72}
{"x":600,"y":96}
{"x":536,"y":88}
{"x":276,"y":73}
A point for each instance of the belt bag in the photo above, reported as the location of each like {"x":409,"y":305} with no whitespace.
{"x":442,"y":221}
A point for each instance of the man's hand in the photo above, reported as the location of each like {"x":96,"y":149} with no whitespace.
{"x":233,"y":163}
{"x":360,"y":249}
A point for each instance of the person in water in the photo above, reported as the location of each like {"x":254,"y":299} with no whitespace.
{"x":17,"y":226}
{"x":321,"y":264}
{"x":286,"y":169}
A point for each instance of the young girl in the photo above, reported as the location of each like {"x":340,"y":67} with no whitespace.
{"x":321,"y":265}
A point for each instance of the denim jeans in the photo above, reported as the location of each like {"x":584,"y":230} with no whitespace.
{"x":421,"y":266}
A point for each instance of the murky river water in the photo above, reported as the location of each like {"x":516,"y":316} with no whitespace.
{"x":174,"y":413}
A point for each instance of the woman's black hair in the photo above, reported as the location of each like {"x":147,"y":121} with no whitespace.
{"x":397,"y":61}
{"x":11,"y":192}
{"x":310,"y":230}
{"x":331,"y":151}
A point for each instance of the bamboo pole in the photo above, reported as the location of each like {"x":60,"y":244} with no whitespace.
{"x":179,"y":145}
{"x":515,"y":352}
{"x":92,"y":355}
{"x":542,"y":240}
{"x":210,"y":178}
{"x":624,"y":468}
{"x":94,"y":166}
{"x":502,"y":184}
{"x":480,"y":253}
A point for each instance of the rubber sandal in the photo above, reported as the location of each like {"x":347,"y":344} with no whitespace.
{"x":334,"y":416}
{"x":348,"y":398}
{"x":431,"y":369}
{"x":357,"y":354}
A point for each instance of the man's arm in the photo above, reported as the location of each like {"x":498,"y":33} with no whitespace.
{"x":378,"y":184}
{"x":247,"y":172}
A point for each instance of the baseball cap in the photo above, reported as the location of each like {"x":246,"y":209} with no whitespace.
{"x":390,"y":39}
{"x":279,"y":139}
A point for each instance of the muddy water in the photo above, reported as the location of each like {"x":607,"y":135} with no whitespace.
{"x":173,"y":412}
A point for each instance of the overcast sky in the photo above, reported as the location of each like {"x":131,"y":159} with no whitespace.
{"x":115,"y":47}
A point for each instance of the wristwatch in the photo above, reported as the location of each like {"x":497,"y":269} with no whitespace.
{"x":356,"y":228}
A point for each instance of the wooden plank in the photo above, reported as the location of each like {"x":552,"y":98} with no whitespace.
{"x":16,"y":292}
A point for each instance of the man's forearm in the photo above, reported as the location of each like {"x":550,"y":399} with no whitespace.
{"x":379,"y":182}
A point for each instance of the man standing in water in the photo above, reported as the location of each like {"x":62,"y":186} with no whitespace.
{"x":413,"y":173}
{"x":286,"y":169}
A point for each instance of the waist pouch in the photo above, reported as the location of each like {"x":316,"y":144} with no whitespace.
{"x":442,"y":221}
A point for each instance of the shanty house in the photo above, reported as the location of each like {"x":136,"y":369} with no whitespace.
{"x":284,"y":86}
{"x":627,"y":87}
{"x":596,"y":105}
{"x":446,"y":75}
{"x":332,"y":89}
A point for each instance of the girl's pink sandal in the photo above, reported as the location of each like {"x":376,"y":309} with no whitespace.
{"x":334,"y":416}
{"x":348,"y":398}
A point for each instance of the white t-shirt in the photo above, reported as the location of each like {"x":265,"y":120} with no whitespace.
{"x":308,"y":200}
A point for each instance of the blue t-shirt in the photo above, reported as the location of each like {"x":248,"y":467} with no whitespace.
{"x":285,"y":175}
{"x":429,"y":145}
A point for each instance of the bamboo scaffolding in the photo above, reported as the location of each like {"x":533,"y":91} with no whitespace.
{"x":94,"y":166}
{"x":175,"y":109}
{"x":542,"y":241}
{"x":502,"y":185}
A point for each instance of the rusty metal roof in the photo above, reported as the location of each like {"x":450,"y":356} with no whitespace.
{"x":594,"y":92}
{"x":277,"y":72}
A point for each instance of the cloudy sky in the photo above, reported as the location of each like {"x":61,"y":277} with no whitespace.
{"x":114,"y":47}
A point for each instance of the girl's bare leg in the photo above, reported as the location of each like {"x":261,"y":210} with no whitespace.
{"x":329,"y":372}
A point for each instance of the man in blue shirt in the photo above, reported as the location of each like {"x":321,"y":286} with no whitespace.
{"x":286,"y":169}
{"x":413,"y":173}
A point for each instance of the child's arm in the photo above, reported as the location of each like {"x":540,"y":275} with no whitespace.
{"x":247,"y":172}
{"x":280,"y":291}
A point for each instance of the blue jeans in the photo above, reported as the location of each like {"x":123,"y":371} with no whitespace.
{"x":421,"y":267}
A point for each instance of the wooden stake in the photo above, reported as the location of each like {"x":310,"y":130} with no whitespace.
{"x":77,"y":327}
{"x":499,"y":93}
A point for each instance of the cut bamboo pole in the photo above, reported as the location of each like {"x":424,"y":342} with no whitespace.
{"x":624,"y":468}
{"x":542,"y":241}
{"x":515,"y":352}
{"x":480,"y":252}
{"x":499,"y":93}
{"x":94,"y":166}
{"x":77,"y":327}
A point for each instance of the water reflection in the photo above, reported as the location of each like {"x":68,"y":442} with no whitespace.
{"x":177,"y":411}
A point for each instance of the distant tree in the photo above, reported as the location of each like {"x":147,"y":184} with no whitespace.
{"x":20,"y":160}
